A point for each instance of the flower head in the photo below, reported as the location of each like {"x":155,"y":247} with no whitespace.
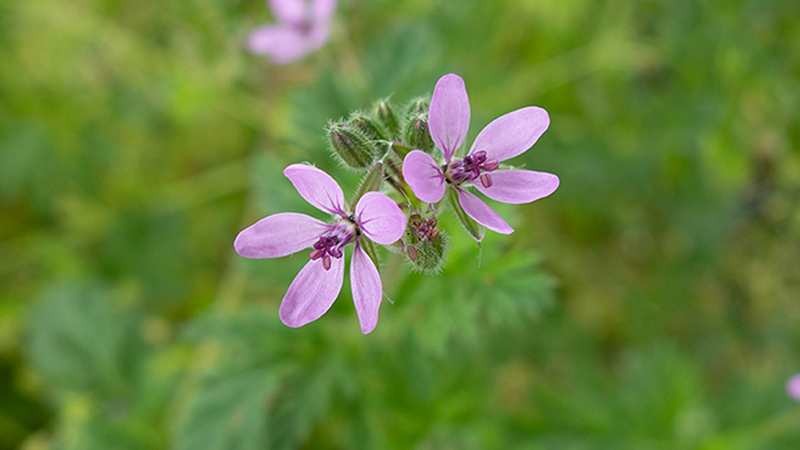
{"x":505,"y":137}
{"x":319,"y":282}
{"x":793,"y":387}
{"x":301,"y":28}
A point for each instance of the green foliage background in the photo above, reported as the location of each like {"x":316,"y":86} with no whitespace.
{"x":652,"y":302}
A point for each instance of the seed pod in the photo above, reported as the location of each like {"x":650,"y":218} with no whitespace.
{"x":385,"y":113}
{"x":350,"y":145}
{"x":417,"y":133}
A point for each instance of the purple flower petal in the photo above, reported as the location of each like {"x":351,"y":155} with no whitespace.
{"x":317,"y":36}
{"x":322,"y":13}
{"x":322,"y":10}
{"x":518,"y":186}
{"x":482,"y":213}
{"x":380,"y":218}
{"x":317,"y":188}
{"x":793,"y":387}
{"x":511,"y":134}
{"x":278,"y":235}
{"x":423,"y":176}
{"x":282,"y":43}
{"x":289,"y":11}
{"x":448,"y":115}
{"x":367,"y":290}
{"x":312,"y":292}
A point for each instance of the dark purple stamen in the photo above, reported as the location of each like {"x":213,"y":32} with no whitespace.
{"x":425,"y":228}
{"x":331,"y":245}
{"x":486,"y":180}
{"x":304,"y":25}
{"x":470,"y":168}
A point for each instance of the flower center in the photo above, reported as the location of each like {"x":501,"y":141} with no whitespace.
{"x":470,"y":168}
{"x":303,"y":26}
{"x":331,"y":244}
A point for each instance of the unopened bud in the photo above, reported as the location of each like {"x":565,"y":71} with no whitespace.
{"x":428,"y":255}
{"x":385,"y":113}
{"x":417,"y":133}
{"x":426,"y":244}
{"x":369,"y":126}
{"x":418,"y":106}
{"x":351,"y":145}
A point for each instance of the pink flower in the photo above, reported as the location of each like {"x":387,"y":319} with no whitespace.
{"x":315,"y":288}
{"x":793,"y":387}
{"x":301,"y":29}
{"x":505,"y":137}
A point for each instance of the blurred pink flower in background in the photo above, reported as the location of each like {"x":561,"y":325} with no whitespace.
{"x":301,"y":28}
{"x":793,"y":387}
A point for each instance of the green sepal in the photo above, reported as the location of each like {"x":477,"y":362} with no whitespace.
{"x":369,"y":249}
{"x":372,"y":181}
{"x":472,"y":227}
{"x":401,"y":150}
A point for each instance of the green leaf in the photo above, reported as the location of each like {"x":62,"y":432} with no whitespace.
{"x":81,"y":340}
{"x":264,"y":387}
{"x":229,"y":412}
{"x":472,"y":227}
{"x":467,"y":301}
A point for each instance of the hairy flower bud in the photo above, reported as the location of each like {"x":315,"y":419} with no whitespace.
{"x":351,"y":145}
{"x":385,"y":113}
{"x":426,"y":244}
{"x":418,"y":106}
{"x":417,"y":133}
{"x":368,"y":125}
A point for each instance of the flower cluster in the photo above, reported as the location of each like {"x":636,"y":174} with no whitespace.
{"x":397,"y":151}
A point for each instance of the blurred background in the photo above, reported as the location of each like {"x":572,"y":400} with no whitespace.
{"x":650,"y":303}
